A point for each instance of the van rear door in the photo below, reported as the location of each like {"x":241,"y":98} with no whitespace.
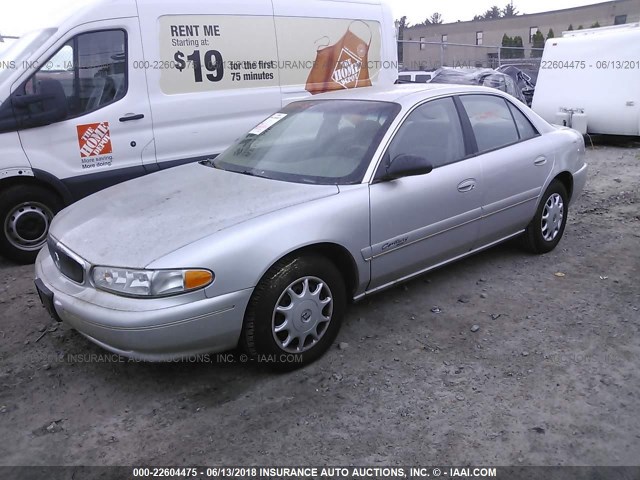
{"x":105,"y":131}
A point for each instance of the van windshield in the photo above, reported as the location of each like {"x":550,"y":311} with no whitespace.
{"x":319,"y":142}
{"x":20,"y":51}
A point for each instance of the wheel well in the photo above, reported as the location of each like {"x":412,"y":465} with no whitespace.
{"x":29,"y":181}
{"x":567,"y":180}
{"x":340,"y":257}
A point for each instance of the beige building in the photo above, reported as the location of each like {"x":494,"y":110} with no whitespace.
{"x":475,"y":43}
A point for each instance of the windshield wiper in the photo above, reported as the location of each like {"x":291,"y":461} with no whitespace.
{"x":208,"y":163}
{"x":251,"y":173}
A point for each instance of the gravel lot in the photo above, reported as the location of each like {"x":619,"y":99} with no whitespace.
{"x":550,"y":377}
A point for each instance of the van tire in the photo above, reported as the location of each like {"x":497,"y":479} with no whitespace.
{"x":26,"y":212}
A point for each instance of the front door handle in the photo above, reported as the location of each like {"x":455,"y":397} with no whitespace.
{"x":540,"y":161}
{"x":467,"y":185}
{"x":131,"y":117}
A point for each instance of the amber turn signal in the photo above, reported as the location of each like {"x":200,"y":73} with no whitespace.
{"x":197,"y":279}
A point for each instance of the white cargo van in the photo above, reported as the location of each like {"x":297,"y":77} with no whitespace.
{"x":122,"y":88}
{"x":590,"y":80}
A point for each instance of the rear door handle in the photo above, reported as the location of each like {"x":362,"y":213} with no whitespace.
{"x":467,"y":185}
{"x":131,"y":117}
{"x":540,"y":161}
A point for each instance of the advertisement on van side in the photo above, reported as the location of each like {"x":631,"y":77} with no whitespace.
{"x":216,"y":52}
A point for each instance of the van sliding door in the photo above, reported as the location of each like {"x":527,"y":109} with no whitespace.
{"x":212,"y":73}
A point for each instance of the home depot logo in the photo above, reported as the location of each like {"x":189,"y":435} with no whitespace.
{"x":94,"y":139}
{"x":347,"y":70}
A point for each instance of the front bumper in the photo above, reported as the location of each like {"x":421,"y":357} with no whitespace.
{"x":146,"y":329}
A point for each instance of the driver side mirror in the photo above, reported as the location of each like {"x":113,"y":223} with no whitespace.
{"x":407,"y":165}
{"x":47,"y":106}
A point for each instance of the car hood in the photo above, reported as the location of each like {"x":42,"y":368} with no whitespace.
{"x":136,"y":222}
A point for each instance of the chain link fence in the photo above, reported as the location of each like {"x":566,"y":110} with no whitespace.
{"x":430,"y":55}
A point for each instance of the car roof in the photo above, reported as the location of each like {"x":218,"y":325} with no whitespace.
{"x":404,"y":94}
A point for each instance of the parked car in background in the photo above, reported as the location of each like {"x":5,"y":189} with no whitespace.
{"x":329,"y":200}
{"x":524,"y":81}
{"x":478,"y":76}
{"x":529,"y":68}
{"x":118,"y":89}
{"x":416,"y":76}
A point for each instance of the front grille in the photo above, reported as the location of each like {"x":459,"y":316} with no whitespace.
{"x":68,"y":266}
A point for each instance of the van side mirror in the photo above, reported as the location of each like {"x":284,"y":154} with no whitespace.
{"x":47,"y":106}
{"x":407,"y":165}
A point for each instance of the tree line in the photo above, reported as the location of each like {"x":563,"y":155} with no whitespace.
{"x":512,"y":46}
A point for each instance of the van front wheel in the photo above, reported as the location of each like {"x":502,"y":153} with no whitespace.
{"x":26,"y":212}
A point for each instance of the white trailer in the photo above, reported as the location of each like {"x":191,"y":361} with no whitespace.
{"x":590,"y":80}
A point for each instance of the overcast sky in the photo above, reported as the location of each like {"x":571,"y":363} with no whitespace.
{"x":18,"y":17}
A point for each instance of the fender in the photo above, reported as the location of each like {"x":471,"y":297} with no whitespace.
{"x":41,"y":176}
{"x":16,"y":172}
{"x":55,"y":183}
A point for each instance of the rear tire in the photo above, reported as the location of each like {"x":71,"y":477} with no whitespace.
{"x":547,"y":227}
{"x":295,"y":312}
{"x":26,"y":212}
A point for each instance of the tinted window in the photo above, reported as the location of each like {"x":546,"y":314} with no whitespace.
{"x":525,"y":128}
{"x":404,"y":78}
{"x":491,"y":121}
{"x":431,"y":131}
{"x":423,"y":78}
{"x":91,"y":68}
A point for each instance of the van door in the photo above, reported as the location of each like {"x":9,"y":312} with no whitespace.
{"x":105,"y":130}
{"x":212,"y":70}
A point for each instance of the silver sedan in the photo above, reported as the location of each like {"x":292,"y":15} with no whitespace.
{"x":327,"y":201}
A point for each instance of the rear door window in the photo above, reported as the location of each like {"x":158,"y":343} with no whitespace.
{"x":491,"y":121}
{"x":525,"y":128}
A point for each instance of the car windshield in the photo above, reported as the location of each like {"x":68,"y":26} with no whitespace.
{"x":20,"y":51}
{"x":320,"y":142}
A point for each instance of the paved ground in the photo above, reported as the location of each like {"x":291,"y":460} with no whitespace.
{"x":550,"y":378}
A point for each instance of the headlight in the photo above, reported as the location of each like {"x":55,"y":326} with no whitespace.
{"x":150,"y":283}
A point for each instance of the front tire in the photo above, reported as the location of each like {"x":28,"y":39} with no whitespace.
{"x":26,"y":212}
{"x":547,"y":227}
{"x":295,"y":312}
